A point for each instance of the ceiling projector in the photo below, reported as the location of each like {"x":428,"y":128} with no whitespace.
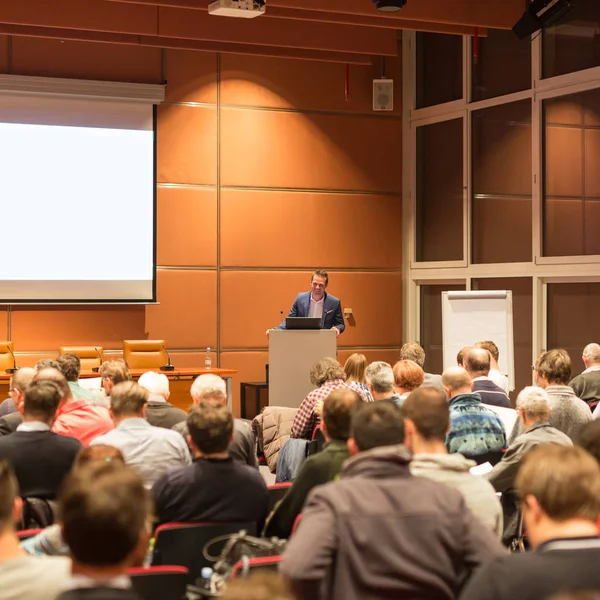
{"x":389,"y":5}
{"x":241,"y":9}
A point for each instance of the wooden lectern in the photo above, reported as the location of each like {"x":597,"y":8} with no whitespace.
{"x":291,"y":356}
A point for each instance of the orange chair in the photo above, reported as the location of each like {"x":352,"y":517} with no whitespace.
{"x":276,"y":492}
{"x":6,"y":359}
{"x":90,"y":359}
{"x":144,"y":354}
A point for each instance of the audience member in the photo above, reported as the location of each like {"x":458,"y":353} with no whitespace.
{"x":475,"y":430}
{"x":23,"y":576}
{"x":413,"y":351}
{"x":380,"y":379}
{"x":70,"y":366}
{"x":500,"y":379}
{"x":322,"y":467}
{"x":159,"y":412}
{"x":18,"y":384}
{"x":587,"y":384}
{"x":354,"y":368}
{"x":426,"y":423}
{"x":559,"y":489}
{"x":477,"y":365}
{"x":211,"y":388}
{"x":105,"y":514}
{"x":327,"y":375}
{"x":260,"y":586}
{"x":76,"y":417}
{"x":460,"y":357}
{"x":152,"y":451}
{"x":214,"y":487}
{"x":112,"y":372}
{"x":46,"y":363}
{"x":381,"y":533}
{"x":533,"y":408}
{"x":589,"y":439}
{"x":408,"y":376}
{"x":40,"y":459}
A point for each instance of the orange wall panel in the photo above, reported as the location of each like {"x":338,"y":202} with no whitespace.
{"x":31,"y":358}
{"x":390,"y":356}
{"x":187,"y":227}
{"x":48,"y":328}
{"x":250,"y":367}
{"x":85,"y":60}
{"x":191,"y":76}
{"x":310,"y":151}
{"x":275,"y":229}
{"x":187,"y":144}
{"x":187,"y":314}
{"x":3,"y":323}
{"x":191,"y":360}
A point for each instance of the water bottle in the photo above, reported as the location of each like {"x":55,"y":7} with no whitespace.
{"x":208,"y":360}
{"x":206,"y":585}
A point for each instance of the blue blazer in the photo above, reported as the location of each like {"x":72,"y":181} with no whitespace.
{"x":332,"y":311}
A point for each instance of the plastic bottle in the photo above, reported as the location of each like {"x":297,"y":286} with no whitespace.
{"x":206,"y":582}
{"x":208,"y":360}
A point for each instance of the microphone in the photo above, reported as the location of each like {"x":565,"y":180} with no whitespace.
{"x":15,"y":368}
{"x":168,"y":366}
{"x":96,"y":369}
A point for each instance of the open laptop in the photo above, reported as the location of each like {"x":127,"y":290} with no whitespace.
{"x":303,"y":323}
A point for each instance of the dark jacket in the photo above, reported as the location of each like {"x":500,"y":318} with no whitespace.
{"x":491,"y":393}
{"x":10,"y":422}
{"x":99,"y":593}
{"x":381,"y":533}
{"x":163,"y":414}
{"x":332,"y":311}
{"x":587,"y":386}
{"x":316,"y":470}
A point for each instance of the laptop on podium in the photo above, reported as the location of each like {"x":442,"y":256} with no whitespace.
{"x":303,"y":323}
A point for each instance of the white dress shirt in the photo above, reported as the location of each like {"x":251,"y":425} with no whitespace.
{"x":315,"y":308}
{"x":33,"y":426}
{"x":500,"y":380}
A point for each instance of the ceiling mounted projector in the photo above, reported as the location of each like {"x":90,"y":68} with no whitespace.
{"x":541,"y":14}
{"x":389,"y":5}
{"x":241,"y":9}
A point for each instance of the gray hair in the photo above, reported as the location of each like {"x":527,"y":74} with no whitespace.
{"x":533,"y":401}
{"x":380,"y":377}
{"x":208,"y":387}
{"x":592,"y":353}
{"x":413,"y":351}
{"x":155,"y":383}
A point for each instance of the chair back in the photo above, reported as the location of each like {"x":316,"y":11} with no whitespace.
{"x":183,"y":544}
{"x":159,"y":583}
{"x":264,"y":563}
{"x":144,"y":354}
{"x":6,"y":359}
{"x":25,"y":534}
{"x":87,"y":355}
{"x":276,"y":492}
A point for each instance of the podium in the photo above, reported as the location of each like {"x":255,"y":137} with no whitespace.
{"x":291,"y":356}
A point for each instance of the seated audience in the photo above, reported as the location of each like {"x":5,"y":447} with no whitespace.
{"x":40,"y":459}
{"x":533,"y":408}
{"x":112,"y":372}
{"x":408,"y":376}
{"x":589,"y":438}
{"x":460,"y":357}
{"x":322,"y":467}
{"x":426,"y":423}
{"x":327,"y":375}
{"x":380,"y":379}
{"x":413,"y":351}
{"x":152,"y":451}
{"x":354,"y":368}
{"x":475,"y":430}
{"x":477,"y":365}
{"x":500,"y":379}
{"x":559,"y":490}
{"x":158,"y":410}
{"x":18,"y":383}
{"x":105,"y":513}
{"x":211,"y":388}
{"x":76,"y":418}
{"x":381,"y":533}
{"x":23,"y":576}
{"x":587,"y":384}
{"x":214,"y":487}
{"x":70,"y":366}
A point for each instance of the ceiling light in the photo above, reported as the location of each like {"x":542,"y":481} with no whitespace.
{"x":389,"y":5}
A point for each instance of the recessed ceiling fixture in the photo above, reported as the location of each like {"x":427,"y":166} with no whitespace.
{"x":389,"y":5}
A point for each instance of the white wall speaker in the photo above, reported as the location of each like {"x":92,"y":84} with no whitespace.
{"x":383,"y":94}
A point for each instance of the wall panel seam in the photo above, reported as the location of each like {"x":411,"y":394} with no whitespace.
{"x":310,"y":267}
{"x":345,"y":348}
{"x":186,"y":268}
{"x":242,"y":188}
{"x":218,"y":299}
{"x":314,"y":111}
{"x":203,"y":186}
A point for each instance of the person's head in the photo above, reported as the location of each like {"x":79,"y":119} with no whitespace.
{"x":208,"y":387}
{"x":426,"y":419}
{"x":112,"y":372}
{"x":259,"y":586}
{"x":11,"y":504}
{"x":380,"y":379}
{"x":456,"y":381}
{"x":552,"y":368}
{"x":559,"y":487}
{"x":533,"y":405}
{"x":413,"y":351}
{"x":69,"y":365}
{"x":408,"y":376}
{"x":128,"y":400}
{"x":376,"y":424}
{"x":46,"y":363}
{"x":42,"y":399}
{"x":338,"y":409}
{"x":591,"y":355}
{"x":318,"y":283}
{"x":492,"y":349}
{"x":211,"y":428}
{"x":460,"y":356}
{"x":98,"y":453}
{"x":156,"y":383}
{"x":104,"y":510}
{"x":477,"y":362}
{"x":57,"y":377}
{"x":355,"y":366}
{"x":589,"y":438}
{"x":325,"y":370}
{"x":18,"y":384}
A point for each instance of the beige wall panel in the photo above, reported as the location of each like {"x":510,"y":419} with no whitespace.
{"x":564,"y":227}
{"x":191,"y":76}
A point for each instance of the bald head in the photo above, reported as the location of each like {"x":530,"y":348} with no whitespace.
{"x":456,"y":381}
{"x":56,"y":376}
{"x":22,"y":378}
{"x":477,"y":362}
{"x":591,"y":355}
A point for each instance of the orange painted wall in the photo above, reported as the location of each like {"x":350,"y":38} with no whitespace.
{"x":265,"y":172}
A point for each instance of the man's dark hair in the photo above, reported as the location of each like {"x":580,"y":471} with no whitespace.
{"x":57,"y":377}
{"x":378,"y":424}
{"x":211,"y":427}
{"x":321,"y":273}
{"x":338,"y":409}
{"x":554,"y":366}
{"x":128,"y":398}
{"x":46,"y":363}
{"x":589,"y":438}
{"x":41,"y":400}
{"x":70,"y":366}
{"x":428,"y":409}
{"x":477,"y":361}
{"x":9,"y":490}
{"x":103,"y":507}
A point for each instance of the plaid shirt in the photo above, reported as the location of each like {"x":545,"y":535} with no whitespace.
{"x":306,"y":420}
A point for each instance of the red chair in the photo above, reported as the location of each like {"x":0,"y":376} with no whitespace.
{"x":296,"y":523}
{"x":276,"y":492}
{"x":252,"y":565}
{"x":159,"y":583}
{"x":25,"y":534}
{"x":183,"y":544}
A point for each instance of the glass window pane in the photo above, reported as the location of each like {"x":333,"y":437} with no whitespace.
{"x":502,"y":184}
{"x":440,"y":191}
{"x":491,"y":77}
{"x":573,"y":318}
{"x":574,"y":43}
{"x":571,"y":201}
{"x":439,"y":68}
{"x":431,"y":324}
